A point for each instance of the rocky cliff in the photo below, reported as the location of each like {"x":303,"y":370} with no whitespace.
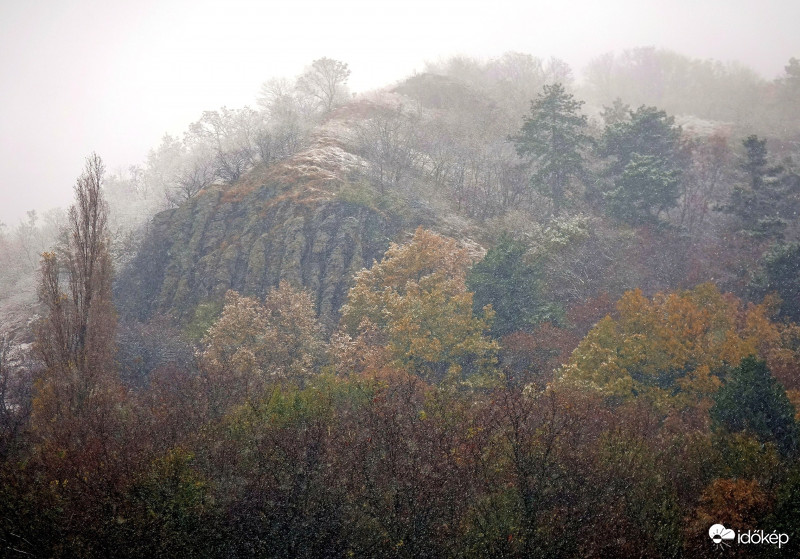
{"x":297,"y":220}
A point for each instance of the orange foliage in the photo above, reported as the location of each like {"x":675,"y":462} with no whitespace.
{"x":670,"y":349}
{"x":739,"y":504}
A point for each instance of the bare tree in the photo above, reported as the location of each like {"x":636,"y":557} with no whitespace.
{"x":190,"y":181}
{"x":29,"y":237}
{"x":275,"y":93}
{"x":232,"y":164}
{"x":514,"y":79}
{"x":282,"y":99}
{"x":281,"y":139}
{"x":290,"y":112}
{"x":389,"y":141}
{"x":231,"y":136}
{"x":325,"y":81}
{"x":75,"y":337}
{"x":703,"y":183}
{"x":163,"y":163}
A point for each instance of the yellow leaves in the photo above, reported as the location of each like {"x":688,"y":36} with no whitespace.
{"x":365,"y":352}
{"x":415,"y":302}
{"x":253,"y":343}
{"x":669,"y":349}
{"x":428,"y":259}
{"x":740,"y":503}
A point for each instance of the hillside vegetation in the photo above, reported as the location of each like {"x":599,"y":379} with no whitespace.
{"x":486,"y":311}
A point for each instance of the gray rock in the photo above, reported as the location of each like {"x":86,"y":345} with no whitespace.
{"x":215,"y":242}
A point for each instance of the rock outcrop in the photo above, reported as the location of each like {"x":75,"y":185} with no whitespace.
{"x":284,"y":223}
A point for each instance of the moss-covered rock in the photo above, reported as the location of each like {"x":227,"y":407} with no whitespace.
{"x":250,"y":242}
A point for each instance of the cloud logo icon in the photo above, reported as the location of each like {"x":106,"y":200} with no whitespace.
{"x":719,"y":534}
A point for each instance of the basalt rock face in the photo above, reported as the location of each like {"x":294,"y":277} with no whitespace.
{"x":249,"y":239}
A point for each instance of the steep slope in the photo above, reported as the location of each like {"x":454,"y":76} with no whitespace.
{"x":432,"y":151}
{"x":290,"y":221}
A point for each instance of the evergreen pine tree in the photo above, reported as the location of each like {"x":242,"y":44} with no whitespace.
{"x":752,"y":400}
{"x":553,"y":137}
{"x":512,"y":285}
{"x":645,"y":165}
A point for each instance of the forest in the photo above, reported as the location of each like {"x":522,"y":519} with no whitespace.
{"x":487,"y":311}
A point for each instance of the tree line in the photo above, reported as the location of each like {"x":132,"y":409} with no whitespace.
{"x":426,"y":425}
{"x":527,"y":402}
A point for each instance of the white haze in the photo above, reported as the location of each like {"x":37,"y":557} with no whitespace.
{"x":112,"y":77}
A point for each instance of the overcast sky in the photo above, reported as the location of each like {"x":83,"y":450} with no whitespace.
{"x":113,"y":76}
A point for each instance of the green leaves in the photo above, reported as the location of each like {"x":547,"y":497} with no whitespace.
{"x":752,"y":400}
{"x":645,"y":165}
{"x":646,"y":188}
{"x":513,"y":286}
{"x":768,"y":198}
{"x":782,"y":274}
{"x":553,"y":137}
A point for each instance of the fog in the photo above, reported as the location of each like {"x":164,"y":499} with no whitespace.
{"x":114,"y":77}
{"x":435,"y":279}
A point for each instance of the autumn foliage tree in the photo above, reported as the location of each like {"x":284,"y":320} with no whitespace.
{"x":411,"y":458}
{"x":672,"y":349}
{"x":415,"y":303}
{"x":253,"y":344}
{"x":741,"y":504}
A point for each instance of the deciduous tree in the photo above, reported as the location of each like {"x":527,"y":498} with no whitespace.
{"x":79,"y":410}
{"x":228,"y":137}
{"x":672,"y":349}
{"x":326,"y":81}
{"x":417,"y":302}
{"x":75,"y":336}
{"x":388,"y":141}
{"x":252,"y":344}
{"x":15,"y":410}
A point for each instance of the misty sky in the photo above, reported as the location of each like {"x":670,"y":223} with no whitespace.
{"x":113,"y":76}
